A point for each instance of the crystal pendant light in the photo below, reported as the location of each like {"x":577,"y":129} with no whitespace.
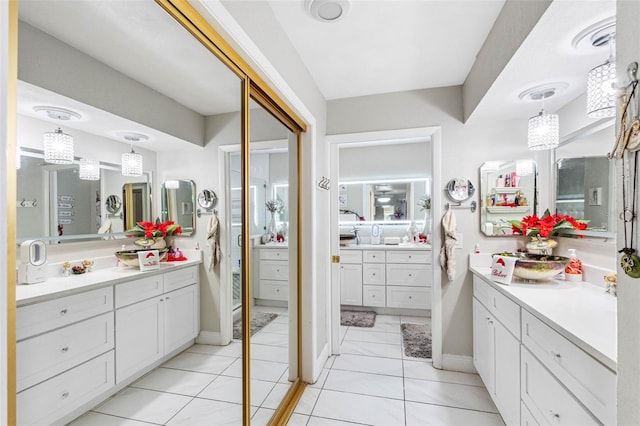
{"x":58,"y":147}
{"x":89,"y":169}
{"x":131,"y":164}
{"x":544,"y":131}
{"x":601,"y":89}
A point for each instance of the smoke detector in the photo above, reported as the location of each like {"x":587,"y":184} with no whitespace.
{"x":327,"y":10}
{"x":56,"y":113}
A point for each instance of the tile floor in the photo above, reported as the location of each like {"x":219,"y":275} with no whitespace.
{"x":372,"y":383}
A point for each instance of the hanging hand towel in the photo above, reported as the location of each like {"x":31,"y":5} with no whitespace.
{"x":447,"y":255}
{"x":212,"y":242}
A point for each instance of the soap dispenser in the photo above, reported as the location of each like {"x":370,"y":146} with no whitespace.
{"x":573,"y":270}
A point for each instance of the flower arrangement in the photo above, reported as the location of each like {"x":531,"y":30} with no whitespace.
{"x":546,"y":226}
{"x":424,"y":203}
{"x":155,"y":230}
{"x":275,"y":206}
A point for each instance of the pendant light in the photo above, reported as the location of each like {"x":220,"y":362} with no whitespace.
{"x":89,"y":169}
{"x":58,"y":147}
{"x":132,"y":161}
{"x":601,"y":88}
{"x":543,"y":129}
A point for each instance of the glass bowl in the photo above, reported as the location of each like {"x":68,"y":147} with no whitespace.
{"x":536,"y":267}
{"x":130,"y":257}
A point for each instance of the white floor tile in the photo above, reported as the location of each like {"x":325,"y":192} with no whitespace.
{"x":365,"y":409}
{"x":275,"y":397}
{"x":233,"y":349}
{"x":321,"y":379}
{"x":368,"y":364}
{"x":175,"y":381}
{"x":355,"y":334}
{"x":448,"y":394}
{"x":307,"y":401}
{"x":389,"y":319}
{"x":277,"y":328}
{"x":371,"y":349}
{"x":269,"y":353}
{"x":330,"y":361}
{"x":415,"y":319}
{"x":320,"y":421}
{"x":97,"y":419}
{"x":343,"y":331}
{"x":298,"y":420}
{"x":274,"y":339}
{"x":202,"y":363}
{"x":427,"y":414}
{"x":208,"y":412}
{"x":229,"y":389}
{"x":262,"y":417}
{"x":260,"y":370}
{"x":143,"y":405}
{"x":384,"y":327}
{"x":285,"y":377}
{"x":424,"y":370}
{"x":365,"y":384}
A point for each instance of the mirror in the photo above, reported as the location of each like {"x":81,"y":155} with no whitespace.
{"x":507,"y":192}
{"x":207,"y":199}
{"x":60,"y":207}
{"x":178,"y":197}
{"x":460,"y":189}
{"x":390,"y":200}
{"x":137,"y":203}
{"x":585,"y":182}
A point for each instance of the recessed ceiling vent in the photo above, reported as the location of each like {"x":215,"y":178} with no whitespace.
{"x":327,"y":10}
{"x":56,"y":113}
{"x":596,"y":35}
{"x":132,"y":136}
{"x":542,"y":92}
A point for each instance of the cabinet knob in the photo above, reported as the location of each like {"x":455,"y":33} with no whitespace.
{"x":374,"y":274}
{"x":409,"y":256}
{"x":65,"y":349}
{"x":162,"y":300}
{"x":277,"y":270}
{"x":64,"y":395}
{"x":63,"y":311}
{"x":555,"y":415}
{"x":410,"y":275}
{"x":277,"y":290}
{"x":410,"y":297}
{"x":557,"y":356}
{"x":373,"y":296}
{"x":167,"y":298}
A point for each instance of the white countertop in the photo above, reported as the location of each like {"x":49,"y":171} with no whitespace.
{"x":284,"y":245}
{"x":60,"y":286}
{"x":386,"y":247}
{"x":581,"y":312}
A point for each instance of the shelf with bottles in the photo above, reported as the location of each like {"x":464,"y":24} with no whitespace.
{"x":506,"y":189}
{"x":508,"y":209}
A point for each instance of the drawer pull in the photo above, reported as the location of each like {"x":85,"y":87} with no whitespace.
{"x":277,"y":270}
{"x":63,"y":312}
{"x":409,"y":256}
{"x":373,"y":296}
{"x":410,"y":297}
{"x":167,"y":298}
{"x":374,"y":274}
{"x":278,"y":290}
{"x":65,"y":349}
{"x":557,"y":356}
{"x":410,"y":275}
{"x":162,"y":300}
{"x":65,"y":395}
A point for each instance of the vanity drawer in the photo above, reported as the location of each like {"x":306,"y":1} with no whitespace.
{"x":373,"y":273}
{"x":408,"y":274}
{"x":274,"y":290}
{"x":591,"y":382}
{"x":137,"y":290}
{"x":350,"y":256}
{"x":55,"y":398}
{"x":274,"y":270}
{"x":408,"y":256}
{"x":409,"y":297}
{"x":373,"y":295}
{"x":274,"y":254}
{"x":373,"y":256}
{"x":45,"y":316}
{"x":549,"y":401}
{"x":181,"y":278}
{"x":51,"y":353}
{"x":504,"y":309}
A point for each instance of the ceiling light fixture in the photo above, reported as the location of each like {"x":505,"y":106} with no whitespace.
{"x":132,"y":161}
{"x":327,"y":10}
{"x":56,"y":113}
{"x":58,"y":147}
{"x":601,"y":88}
{"x":384,"y":199}
{"x":89,"y":169}
{"x":543,"y":129}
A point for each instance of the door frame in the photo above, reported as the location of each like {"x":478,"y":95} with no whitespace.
{"x":386,"y":137}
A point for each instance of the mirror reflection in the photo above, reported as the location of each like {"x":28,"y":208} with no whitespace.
{"x":507,"y":192}
{"x":178,"y":198}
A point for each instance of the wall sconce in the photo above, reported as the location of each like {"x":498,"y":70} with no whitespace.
{"x":89,"y":169}
{"x":58,"y":147}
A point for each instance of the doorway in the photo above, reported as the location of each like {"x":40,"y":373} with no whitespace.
{"x":430,"y":136}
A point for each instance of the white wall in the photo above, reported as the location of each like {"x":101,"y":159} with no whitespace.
{"x":397,"y":161}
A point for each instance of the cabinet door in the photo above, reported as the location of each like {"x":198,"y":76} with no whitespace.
{"x":139,"y":337}
{"x":506,"y":352}
{"x":351,"y":284}
{"x":181,"y":317}
{"x":483,"y":344}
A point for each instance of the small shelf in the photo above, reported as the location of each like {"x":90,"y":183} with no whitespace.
{"x":506,"y":189}
{"x":506,"y":209}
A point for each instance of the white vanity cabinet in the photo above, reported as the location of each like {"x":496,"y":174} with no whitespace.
{"x":273,"y":273}
{"x":391,"y":278}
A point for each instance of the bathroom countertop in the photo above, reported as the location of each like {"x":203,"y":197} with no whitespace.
{"x":581,"y":312}
{"x":386,"y":247}
{"x":60,"y":286}
{"x":272,"y":246}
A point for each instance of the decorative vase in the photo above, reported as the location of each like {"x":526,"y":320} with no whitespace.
{"x":272,"y":231}
{"x":156,"y":243}
{"x":540,"y":245}
{"x":426,"y":228}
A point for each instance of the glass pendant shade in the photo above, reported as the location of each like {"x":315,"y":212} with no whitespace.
{"x":544,"y":131}
{"x":58,"y":147}
{"x":131,"y":164}
{"x":601,"y":92}
{"x":89,"y":169}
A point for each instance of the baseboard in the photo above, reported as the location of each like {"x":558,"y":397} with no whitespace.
{"x":458,"y":363}
{"x":209,"y":338}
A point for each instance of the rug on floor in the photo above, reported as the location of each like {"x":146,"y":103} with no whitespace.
{"x":416,"y":339}
{"x":357,"y":318}
{"x":258,"y":321}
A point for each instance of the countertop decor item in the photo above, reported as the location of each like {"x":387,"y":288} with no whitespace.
{"x":549,"y":225}
{"x":78,"y":269}
{"x":152,"y":234}
{"x":130,"y":257}
{"x":536,"y":267}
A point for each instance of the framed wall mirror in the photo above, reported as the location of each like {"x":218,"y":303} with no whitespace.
{"x":178,"y":199}
{"x":508,"y":191}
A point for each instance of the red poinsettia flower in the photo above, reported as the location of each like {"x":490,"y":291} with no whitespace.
{"x":155,"y":230}
{"x":547,"y":226}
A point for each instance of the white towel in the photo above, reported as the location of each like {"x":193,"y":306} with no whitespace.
{"x":212,"y":242}
{"x":447,"y":255}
